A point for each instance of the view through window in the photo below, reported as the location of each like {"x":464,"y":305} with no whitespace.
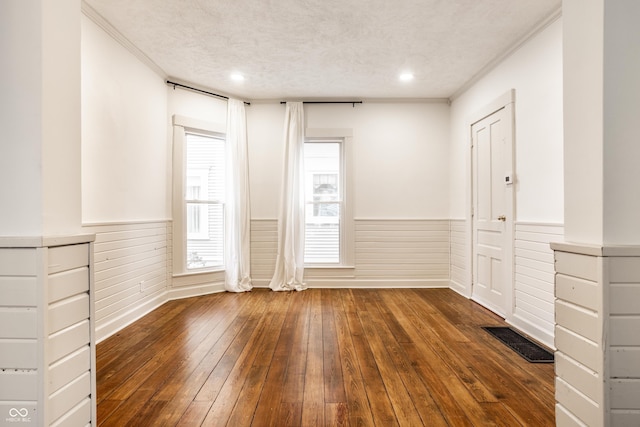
{"x":204,"y":201}
{"x":323,"y":196}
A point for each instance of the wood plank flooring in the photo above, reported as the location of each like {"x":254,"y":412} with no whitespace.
{"x":321,"y":357}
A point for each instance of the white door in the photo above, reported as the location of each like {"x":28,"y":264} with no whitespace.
{"x":492,"y":210}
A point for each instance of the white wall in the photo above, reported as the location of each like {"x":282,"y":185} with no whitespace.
{"x":196,"y":106}
{"x":40,"y":118}
{"x":265,"y":132}
{"x":124,"y":139}
{"x":621,"y":111}
{"x":399,"y":156}
{"x":535,"y":72}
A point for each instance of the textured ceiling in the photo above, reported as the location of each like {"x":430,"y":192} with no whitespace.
{"x":325,"y":49}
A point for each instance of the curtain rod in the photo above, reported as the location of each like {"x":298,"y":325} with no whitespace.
{"x":328,"y":102}
{"x":174,"y":84}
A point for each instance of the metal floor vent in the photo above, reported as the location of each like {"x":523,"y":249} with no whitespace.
{"x":522,"y":345}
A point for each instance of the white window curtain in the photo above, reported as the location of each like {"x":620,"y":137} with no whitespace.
{"x":237,"y":207}
{"x":289,"y":270}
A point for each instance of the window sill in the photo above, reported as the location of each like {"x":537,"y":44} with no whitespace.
{"x":199,"y":272}
{"x":326,"y":266}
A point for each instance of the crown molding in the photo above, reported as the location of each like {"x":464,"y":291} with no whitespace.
{"x":101,"y":22}
{"x":537,"y":29}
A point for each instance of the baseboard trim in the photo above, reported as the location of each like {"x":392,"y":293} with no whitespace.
{"x":366,"y":284}
{"x":194,"y":291}
{"x":459,"y":288}
{"x":104,"y":331}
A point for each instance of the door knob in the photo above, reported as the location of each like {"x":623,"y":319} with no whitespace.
{"x":502,"y":218}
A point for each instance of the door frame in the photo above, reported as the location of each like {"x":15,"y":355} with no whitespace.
{"x":505,"y":101}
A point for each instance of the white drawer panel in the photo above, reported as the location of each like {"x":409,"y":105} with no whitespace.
{"x":69,"y":340}
{"x":577,"y":265}
{"x":578,"y":291}
{"x":68,"y":283}
{"x":19,"y":385}
{"x":576,"y":403}
{"x":18,"y":322}
{"x":18,"y":291}
{"x":69,"y":396}
{"x":62,"y":258}
{"x":80,"y":415}
{"x":69,"y":368}
{"x":68,"y":312}
{"x":578,"y":347}
{"x":18,"y":354}
{"x":18,"y":262}
{"x":579,"y":376}
{"x":581,"y":321}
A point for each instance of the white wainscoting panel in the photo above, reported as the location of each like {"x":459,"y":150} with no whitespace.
{"x":597,"y":324}
{"x":19,"y":283}
{"x":46,"y":334}
{"x":388,"y":253}
{"x":579,"y":333}
{"x":131,"y":272}
{"x":403,"y":252}
{"x":534,"y":279}
{"x":264,"y":247}
{"x":624,"y":339}
{"x":458,"y":253}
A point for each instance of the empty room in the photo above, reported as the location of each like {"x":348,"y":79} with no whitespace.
{"x":313,"y":213}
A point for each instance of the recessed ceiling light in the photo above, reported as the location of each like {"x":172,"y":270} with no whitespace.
{"x":237,"y":77}
{"x":405,"y":77}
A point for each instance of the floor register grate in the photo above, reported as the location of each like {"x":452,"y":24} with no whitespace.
{"x":522,"y":345}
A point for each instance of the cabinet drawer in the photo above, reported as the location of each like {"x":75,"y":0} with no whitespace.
{"x":62,"y":258}
{"x":68,"y":283}
{"x":68,"y":312}
{"x":69,"y":368}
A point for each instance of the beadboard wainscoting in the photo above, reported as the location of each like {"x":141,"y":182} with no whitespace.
{"x":388,"y":253}
{"x":264,"y":249}
{"x":47,"y":345}
{"x":534,"y":279}
{"x":132,"y":272}
{"x":598,"y":345}
{"x":407,"y":253}
{"x":624,"y":339}
{"x":533,"y":298}
{"x":458,"y":253}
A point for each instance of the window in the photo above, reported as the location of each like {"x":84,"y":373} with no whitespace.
{"x":198,"y":196}
{"x":204,"y":200}
{"x":197,"y":218}
{"x":324,"y":192}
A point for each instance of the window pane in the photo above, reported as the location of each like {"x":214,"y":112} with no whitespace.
{"x":204,"y":200}
{"x":205,"y":168}
{"x":322,"y":235}
{"x":205,"y":248}
{"x":323,"y":195}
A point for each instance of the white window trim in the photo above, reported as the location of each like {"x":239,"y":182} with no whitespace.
{"x":182,"y":125}
{"x":347,"y":236}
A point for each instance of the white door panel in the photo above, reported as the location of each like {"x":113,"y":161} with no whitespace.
{"x":491,"y":157}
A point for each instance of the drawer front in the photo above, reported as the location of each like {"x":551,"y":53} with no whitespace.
{"x":63,"y":258}
{"x":68,"y":283}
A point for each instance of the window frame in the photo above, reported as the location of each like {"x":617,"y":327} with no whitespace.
{"x":181,"y":127}
{"x":347,"y":228}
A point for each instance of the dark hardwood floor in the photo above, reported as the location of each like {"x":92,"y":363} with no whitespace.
{"x":321,"y":357}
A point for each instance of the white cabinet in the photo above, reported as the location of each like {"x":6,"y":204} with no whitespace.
{"x":47,"y":347}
